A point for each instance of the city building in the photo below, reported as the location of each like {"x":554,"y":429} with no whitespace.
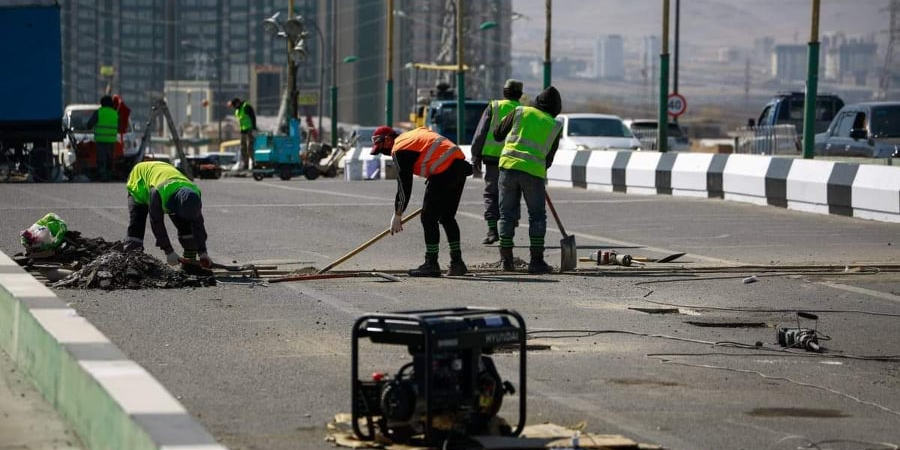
{"x":134,"y":47}
{"x":789,"y":62}
{"x":609,"y":57}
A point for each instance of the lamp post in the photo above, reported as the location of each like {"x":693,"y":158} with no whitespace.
{"x":389,"y":67}
{"x":812,"y":85}
{"x":321,"y":74}
{"x":547,"y":61}
{"x":294,"y":30}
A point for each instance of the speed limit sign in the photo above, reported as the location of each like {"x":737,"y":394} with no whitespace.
{"x":677,"y":105}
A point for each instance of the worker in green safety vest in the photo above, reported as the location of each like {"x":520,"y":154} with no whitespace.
{"x":105,"y":123}
{"x":157,"y":189}
{"x":531,"y":136}
{"x":486,"y":150}
{"x":246,"y":118}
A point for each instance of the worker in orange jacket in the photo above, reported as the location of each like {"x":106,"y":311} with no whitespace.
{"x":429,"y":155}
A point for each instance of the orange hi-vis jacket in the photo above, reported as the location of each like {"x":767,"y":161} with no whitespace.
{"x":436,"y":153}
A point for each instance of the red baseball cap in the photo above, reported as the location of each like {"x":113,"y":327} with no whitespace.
{"x":379,"y":135}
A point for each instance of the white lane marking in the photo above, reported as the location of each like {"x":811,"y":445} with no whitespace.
{"x":609,"y":240}
{"x":317,"y":191}
{"x":863,"y":291}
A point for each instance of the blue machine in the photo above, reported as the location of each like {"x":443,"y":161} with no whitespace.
{"x":278,"y":154}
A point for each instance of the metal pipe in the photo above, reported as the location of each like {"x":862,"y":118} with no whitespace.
{"x":677,"y":51}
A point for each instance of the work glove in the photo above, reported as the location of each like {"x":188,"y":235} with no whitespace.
{"x":205,"y":261}
{"x":396,"y":224}
{"x":172,"y":259}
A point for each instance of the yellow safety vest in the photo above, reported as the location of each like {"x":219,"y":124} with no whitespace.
{"x":159,"y":175}
{"x":529,"y":141}
{"x":499,"y":110}
{"x":107,"y":127}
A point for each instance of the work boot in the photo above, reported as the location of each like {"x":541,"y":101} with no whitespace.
{"x":457,"y":268}
{"x":430,"y":268}
{"x":506,"y":259}
{"x":491,"y":237}
{"x":537,"y":264}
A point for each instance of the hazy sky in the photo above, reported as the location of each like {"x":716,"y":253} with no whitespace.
{"x":705,"y":24}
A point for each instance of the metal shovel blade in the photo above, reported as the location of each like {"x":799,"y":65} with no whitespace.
{"x":569,"y":253}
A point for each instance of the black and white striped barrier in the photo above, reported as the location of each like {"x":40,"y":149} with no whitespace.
{"x":866,"y":191}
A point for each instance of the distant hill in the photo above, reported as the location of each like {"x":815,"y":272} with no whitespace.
{"x":705,"y":24}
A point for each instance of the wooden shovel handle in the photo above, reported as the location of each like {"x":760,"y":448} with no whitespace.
{"x":555,"y":216}
{"x":367,"y":243}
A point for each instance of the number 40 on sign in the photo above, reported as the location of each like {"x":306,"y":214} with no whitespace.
{"x":677,"y":105}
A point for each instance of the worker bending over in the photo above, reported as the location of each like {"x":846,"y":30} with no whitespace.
{"x":431,"y":156}
{"x":157,"y":188}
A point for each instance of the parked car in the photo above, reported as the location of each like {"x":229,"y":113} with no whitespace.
{"x":646,"y":131}
{"x":209,"y":165}
{"x":870,"y":129}
{"x":587,"y":131}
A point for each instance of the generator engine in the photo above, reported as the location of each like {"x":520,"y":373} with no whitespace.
{"x":450,"y":387}
{"x":316,"y":151}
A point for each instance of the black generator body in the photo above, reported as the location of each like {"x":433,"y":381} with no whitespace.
{"x":450,"y":387}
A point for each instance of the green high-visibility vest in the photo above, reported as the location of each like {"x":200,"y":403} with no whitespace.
{"x":162,"y":176}
{"x":107,"y":126}
{"x":243,"y":118}
{"x":529,"y":141}
{"x":499,"y":110}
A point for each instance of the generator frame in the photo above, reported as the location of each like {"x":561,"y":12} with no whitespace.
{"x":422,"y":328}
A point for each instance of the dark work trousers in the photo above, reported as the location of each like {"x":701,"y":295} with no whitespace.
{"x":105,"y":159}
{"x":514,"y":185}
{"x":137,"y":225}
{"x":442,"y":194}
{"x":247,"y":140}
{"x":491,"y":192}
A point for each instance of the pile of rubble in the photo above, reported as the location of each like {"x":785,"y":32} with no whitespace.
{"x":94,"y":263}
{"x":129,"y":270}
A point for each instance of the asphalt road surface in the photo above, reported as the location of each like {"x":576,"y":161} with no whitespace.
{"x":266,"y":367}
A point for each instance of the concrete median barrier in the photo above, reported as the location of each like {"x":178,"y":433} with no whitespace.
{"x":825,"y":187}
{"x":109,"y":400}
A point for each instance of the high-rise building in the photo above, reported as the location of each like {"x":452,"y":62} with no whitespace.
{"x":609,"y":57}
{"x":789,"y":62}
{"x":133,"y":47}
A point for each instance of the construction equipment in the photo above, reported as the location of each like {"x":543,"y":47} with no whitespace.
{"x":799,"y":337}
{"x":368,"y":243}
{"x":569,"y":259}
{"x":450,"y":388}
{"x":158,"y":108}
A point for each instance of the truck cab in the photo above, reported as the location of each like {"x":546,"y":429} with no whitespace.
{"x":787,"y":108}
{"x":437,"y":110}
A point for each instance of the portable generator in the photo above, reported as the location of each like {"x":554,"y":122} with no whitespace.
{"x":451,"y":387}
{"x":800,"y":337}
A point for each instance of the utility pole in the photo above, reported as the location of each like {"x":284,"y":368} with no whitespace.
{"x":677,"y":51}
{"x":460,"y":77}
{"x":389,"y":67}
{"x":292,"y":69}
{"x":812,"y":84}
{"x":662,"y":135}
{"x":547,"y":61}
{"x":334,"y":89}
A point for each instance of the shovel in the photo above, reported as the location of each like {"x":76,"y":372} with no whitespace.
{"x":567,"y":244}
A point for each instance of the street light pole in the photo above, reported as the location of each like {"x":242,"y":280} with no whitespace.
{"x":389,"y":76}
{"x":460,"y":77}
{"x":662,"y":129}
{"x":321,"y":75}
{"x":334,"y":89}
{"x":812,"y":85}
{"x":292,"y":69}
{"x":547,"y":63}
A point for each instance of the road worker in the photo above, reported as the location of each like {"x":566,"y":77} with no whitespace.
{"x":105,"y":123}
{"x":486,"y":150}
{"x":246,"y":118}
{"x":431,"y":156}
{"x":157,"y":188}
{"x":531,"y":136}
